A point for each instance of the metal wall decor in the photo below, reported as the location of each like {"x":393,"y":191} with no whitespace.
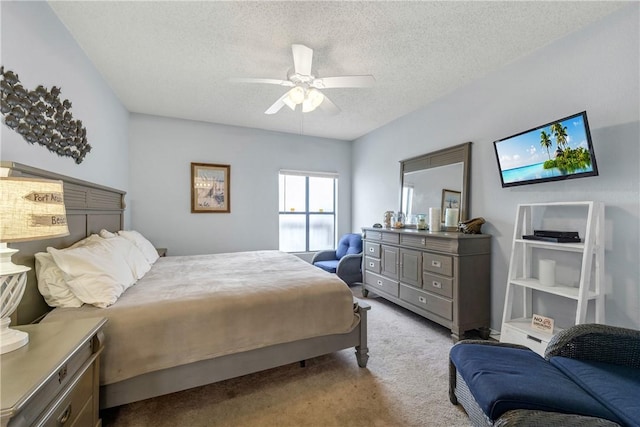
{"x":40,"y":117}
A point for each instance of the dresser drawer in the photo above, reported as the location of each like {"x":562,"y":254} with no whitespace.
{"x":438,"y":284}
{"x":391,"y":238}
{"x":372,"y":235}
{"x":382,"y":283}
{"x":73,"y":406}
{"x":372,"y":264}
{"x":427,"y":301}
{"x":415,"y":241}
{"x":441,"y":264}
{"x":372,"y":249}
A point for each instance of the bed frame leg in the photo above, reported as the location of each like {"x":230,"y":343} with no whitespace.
{"x":303,"y":363}
{"x":362,"y":351}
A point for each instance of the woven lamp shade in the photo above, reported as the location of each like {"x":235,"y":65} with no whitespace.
{"x":31,"y":209}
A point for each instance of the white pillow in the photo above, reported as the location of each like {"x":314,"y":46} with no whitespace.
{"x":91,"y":239}
{"x":142,"y":243}
{"x":130,"y":252}
{"x":95,"y":273}
{"x":106,"y":234}
{"x":51,"y":283}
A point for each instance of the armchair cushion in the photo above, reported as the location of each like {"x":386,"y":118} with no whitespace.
{"x":330,"y":265}
{"x":617,"y":387}
{"x":349,"y":244}
{"x":503,"y":379}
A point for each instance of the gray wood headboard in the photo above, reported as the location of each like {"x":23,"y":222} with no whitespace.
{"x":90,"y":208}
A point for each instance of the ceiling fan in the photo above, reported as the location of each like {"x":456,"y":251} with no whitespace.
{"x":305,"y":87}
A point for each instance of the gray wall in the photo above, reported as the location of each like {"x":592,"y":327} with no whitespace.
{"x":597,"y":70}
{"x":161,"y":152}
{"x":37,"y":46}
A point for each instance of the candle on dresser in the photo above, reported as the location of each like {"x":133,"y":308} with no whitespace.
{"x":434,"y":219}
{"x":451,"y":217}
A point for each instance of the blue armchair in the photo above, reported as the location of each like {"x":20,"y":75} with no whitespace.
{"x":345,"y":261}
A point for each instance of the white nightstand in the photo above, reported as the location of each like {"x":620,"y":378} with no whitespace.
{"x":54,"y":379}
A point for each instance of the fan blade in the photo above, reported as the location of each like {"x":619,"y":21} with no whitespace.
{"x":277,"y":105}
{"x":302,"y":58}
{"x":258,"y":80}
{"x":343,"y":81}
{"x":328,"y":106}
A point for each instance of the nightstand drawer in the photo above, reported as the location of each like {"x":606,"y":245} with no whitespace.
{"x":372,"y":264}
{"x":57,"y":382}
{"x":72,"y":405}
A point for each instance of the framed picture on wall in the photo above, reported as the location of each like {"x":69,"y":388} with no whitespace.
{"x":450,"y":200}
{"x":210,"y":188}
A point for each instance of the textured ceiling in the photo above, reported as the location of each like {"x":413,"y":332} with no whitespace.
{"x":175,"y":58}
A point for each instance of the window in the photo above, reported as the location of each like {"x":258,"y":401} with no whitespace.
{"x":307,"y":211}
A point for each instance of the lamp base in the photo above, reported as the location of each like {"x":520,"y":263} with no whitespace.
{"x":11,"y":339}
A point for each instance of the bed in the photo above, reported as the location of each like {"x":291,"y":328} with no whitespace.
{"x":169,"y":332}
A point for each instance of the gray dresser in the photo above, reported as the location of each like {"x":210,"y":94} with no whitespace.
{"x":443,"y":276}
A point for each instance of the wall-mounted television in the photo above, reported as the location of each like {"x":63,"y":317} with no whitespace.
{"x":561,"y":149}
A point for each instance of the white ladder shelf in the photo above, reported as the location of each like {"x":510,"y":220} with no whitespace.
{"x":521,"y":271}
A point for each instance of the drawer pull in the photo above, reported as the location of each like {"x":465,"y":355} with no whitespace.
{"x":371,"y":264}
{"x":62,"y":374}
{"x":371,"y":250}
{"x":538,"y":340}
{"x":436,"y":284}
{"x":423,"y":241}
{"x":379,"y":282}
{"x":64,"y":417}
{"x":422,"y":300}
{"x":436,"y":264}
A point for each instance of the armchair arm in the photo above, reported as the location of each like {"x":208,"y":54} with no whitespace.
{"x":599,"y":343}
{"x":349,"y":263}
{"x":326,"y":255}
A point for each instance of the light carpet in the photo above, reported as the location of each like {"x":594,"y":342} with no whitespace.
{"x":404,"y":384}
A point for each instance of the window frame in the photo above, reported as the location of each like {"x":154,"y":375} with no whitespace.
{"x":307,"y":213}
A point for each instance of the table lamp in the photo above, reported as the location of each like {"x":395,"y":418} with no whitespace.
{"x":30,"y":209}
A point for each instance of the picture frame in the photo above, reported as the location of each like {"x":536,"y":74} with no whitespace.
{"x":450,"y":199}
{"x":210,"y":188}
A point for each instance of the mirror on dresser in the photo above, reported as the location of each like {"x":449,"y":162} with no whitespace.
{"x":424,"y":178}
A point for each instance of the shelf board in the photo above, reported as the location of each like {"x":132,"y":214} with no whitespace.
{"x":524,"y":325}
{"x":563,"y":291}
{"x":572,"y":247}
{"x":545,"y":204}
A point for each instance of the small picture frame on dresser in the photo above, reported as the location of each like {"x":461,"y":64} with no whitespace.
{"x":450,"y":200}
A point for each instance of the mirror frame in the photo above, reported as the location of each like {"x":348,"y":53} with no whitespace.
{"x":447,"y":156}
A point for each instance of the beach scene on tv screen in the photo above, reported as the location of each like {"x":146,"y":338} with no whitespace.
{"x":558,"y":149}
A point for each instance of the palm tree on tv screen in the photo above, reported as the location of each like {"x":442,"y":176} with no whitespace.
{"x":545,"y":142}
{"x":560,"y":132}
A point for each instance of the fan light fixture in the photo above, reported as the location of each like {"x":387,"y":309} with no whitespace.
{"x":304,"y":85}
{"x":311,"y":101}
{"x":30,"y":209}
{"x":310,"y":98}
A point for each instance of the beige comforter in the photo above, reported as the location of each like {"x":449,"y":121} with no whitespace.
{"x":191,"y":308}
